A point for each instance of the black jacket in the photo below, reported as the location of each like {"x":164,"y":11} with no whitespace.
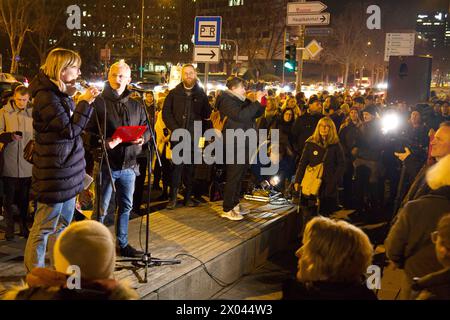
{"x":59,"y":165}
{"x":120,"y":111}
{"x":241,"y":114}
{"x":323,"y":290}
{"x":181,"y":110}
{"x":348,"y":137}
{"x":333,"y":168}
{"x":370,"y":141}
{"x":303,"y":128}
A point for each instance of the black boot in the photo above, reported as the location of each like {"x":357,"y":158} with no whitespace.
{"x":24,"y":232}
{"x":173,"y":200}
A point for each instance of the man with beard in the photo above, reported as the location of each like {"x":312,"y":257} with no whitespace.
{"x":184,"y":104}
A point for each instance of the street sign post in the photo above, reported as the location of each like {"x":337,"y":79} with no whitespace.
{"x":399,"y":44}
{"x":305,"y":7}
{"x":309,"y":19}
{"x":207,"y":54}
{"x":207,"y":38}
{"x":207,"y":31}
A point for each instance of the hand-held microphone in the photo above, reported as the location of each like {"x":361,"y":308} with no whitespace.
{"x":84,"y":84}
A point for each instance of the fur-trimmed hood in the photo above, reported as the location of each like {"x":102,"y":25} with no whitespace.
{"x":438,"y":176}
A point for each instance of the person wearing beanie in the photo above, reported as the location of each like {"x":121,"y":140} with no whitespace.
{"x":89,"y":247}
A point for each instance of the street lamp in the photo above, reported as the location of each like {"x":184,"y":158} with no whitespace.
{"x":141,"y":68}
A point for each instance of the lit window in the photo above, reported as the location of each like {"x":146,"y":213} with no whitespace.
{"x":232,"y":3}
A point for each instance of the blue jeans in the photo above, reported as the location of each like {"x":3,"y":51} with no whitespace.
{"x":124,"y":182}
{"x":50,"y":219}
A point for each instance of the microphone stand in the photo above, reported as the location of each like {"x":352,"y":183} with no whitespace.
{"x":147,"y":260}
{"x":104,"y":155}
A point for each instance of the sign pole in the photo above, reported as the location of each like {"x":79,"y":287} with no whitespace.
{"x":206,"y":77}
{"x":284,"y":55}
{"x":300,"y":46}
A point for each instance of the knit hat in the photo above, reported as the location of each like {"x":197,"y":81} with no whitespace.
{"x":372,"y":109}
{"x":90,"y":246}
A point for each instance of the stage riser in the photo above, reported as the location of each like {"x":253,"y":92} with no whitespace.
{"x":233,"y":264}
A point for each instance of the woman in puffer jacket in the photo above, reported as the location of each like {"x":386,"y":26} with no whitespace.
{"x":58,"y":156}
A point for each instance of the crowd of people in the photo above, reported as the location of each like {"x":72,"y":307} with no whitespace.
{"x":341,"y":150}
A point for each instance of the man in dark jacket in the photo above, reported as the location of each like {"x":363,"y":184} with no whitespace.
{"x":408,"y":244}
{"x":241,"y":113}
{"x":368,"y":151}
{"x":305,"y":125}
{"x":184,"y":105}
{"x":120,"y":110}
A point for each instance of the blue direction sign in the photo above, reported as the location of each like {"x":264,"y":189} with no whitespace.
{"x":207,"y":31}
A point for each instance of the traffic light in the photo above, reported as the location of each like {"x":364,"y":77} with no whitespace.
{"x":290,"y":57}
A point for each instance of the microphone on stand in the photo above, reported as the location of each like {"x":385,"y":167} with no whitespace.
{"x":137,"y":89}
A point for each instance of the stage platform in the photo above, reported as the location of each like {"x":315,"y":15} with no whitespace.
{"x":229,"y":249}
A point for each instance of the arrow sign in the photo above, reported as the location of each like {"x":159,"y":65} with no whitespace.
{"x":309,"y":19}
{"x":211,"y":54}
{"x":207,"y":54}
{"x":305,"y":7}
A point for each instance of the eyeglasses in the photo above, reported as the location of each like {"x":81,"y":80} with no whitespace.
{"x":324,"y":126}
{"x":442,"y":245}
{"x":434,"y":236}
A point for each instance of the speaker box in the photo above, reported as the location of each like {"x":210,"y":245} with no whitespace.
{"x":409,"y":79}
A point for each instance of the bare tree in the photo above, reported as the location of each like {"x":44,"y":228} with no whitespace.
{"x":15,"y":16}
{"x":48,"y":22}
{"x":349,"y":39}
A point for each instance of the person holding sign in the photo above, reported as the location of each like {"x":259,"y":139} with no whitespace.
{"x":125,"y":121}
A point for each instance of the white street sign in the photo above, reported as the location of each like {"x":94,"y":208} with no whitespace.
{"x":309,"y":19}
{"x":207,"y":54}
{"x":313,"y":48}
{"x":305,"y":7}
{"x":399,"y":44}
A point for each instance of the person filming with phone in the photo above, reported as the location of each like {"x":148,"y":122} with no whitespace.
{"x":16,"y":130}
{"x":114,"y":108}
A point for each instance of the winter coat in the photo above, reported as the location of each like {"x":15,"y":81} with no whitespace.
{"x":58,"y":157}
{"x":303,"y":128}
{"x":181,"y":110}
{"x":333,"y":168}
{"x":52,"y":285}
{"x":370,"y":141}
{"x":163,"y":146}
{"x":240,"y":115}
{"x":348,"y":137}
{"x":120,"y":111}
{"x":434,"y":286}
{"x":408,"y":243}
{"x":14,"y":119}
{"x":323,"y":290}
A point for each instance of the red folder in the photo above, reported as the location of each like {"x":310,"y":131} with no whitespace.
{"x":129,"y":133}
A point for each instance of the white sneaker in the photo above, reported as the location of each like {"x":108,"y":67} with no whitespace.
{"x":241,"y":210}
{"x":232,"y":215}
